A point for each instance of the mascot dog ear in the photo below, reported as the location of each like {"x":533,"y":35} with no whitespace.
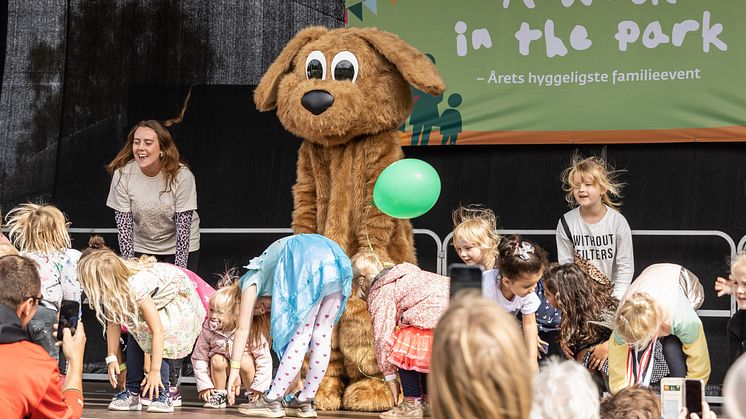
{"x":265,"y":95}
{"x":413,"y":65}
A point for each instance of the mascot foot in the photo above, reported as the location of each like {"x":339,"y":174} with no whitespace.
{"x":329,"y":396}
{"x":367,"y":395}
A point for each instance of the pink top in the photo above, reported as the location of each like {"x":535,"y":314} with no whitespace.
{"x":3,"y":239}
{"x":215,"y":342}
{"x":405,"y":296}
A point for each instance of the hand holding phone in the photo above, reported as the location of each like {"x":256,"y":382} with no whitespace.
{"x":464,"y":276}
{"x":68,"y":317}
{"x":694,"y":394}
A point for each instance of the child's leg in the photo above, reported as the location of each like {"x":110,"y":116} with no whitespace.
{"x":410,"y":384}
{"x":292,"y":359}
{"x":248,"y":371}
{"x":174,"y":371}
{"x":321,"y":345}
{"x":423,"y":385}
{"x":219,"y":371}
{"x":135,"y":364}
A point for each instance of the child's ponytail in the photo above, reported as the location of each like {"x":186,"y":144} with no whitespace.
{"x":519,"y":257}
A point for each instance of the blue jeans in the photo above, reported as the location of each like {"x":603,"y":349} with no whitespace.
{"x":135,"y":366}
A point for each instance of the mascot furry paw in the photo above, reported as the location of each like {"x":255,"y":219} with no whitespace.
{"x":346,"y":92}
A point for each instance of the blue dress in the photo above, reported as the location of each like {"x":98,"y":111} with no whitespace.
{"x":298,"y":272}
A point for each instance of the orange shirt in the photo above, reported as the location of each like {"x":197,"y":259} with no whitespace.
{"x":30,"y":384}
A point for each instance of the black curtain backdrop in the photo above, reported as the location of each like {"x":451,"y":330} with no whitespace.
{"x":73,"y":88}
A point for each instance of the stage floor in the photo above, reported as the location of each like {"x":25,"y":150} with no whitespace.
{"x":98,"y":395}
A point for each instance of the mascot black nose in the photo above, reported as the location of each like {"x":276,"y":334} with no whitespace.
{"x":317,"y":101}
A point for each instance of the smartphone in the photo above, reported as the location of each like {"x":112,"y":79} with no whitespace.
{"x":694,"y":393}
{"x":69,"y":312}
{"x":672,"y":397}
{"x":464,"y":277}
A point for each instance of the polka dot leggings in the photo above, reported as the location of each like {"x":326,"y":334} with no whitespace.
{"x":314,"y":334}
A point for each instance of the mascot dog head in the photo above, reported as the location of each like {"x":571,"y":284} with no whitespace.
{"x":330,"y":86}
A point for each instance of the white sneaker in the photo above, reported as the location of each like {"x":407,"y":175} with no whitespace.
{"x":124,"y":400}
{"x":218,"y":399}
{"x":162,"y":404}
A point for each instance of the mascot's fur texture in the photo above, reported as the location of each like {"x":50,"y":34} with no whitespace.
{"x":348,"y":114}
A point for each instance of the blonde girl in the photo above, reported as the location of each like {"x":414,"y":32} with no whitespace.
{"x":405,"y":304}
{"x":212,"y":352}
{"x":657,"y":308}
{"x":479,"y":366}
{"x":159,"y":305}
{"x":735,"y":285}
{"x":594,"y":229}
{"x":475,"y":236}
{"x":40,"y":233}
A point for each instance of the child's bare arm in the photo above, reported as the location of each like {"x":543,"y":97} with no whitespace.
{"x":531,"y":336}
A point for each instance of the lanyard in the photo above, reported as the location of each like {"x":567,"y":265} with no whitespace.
{"x":640,"y":368}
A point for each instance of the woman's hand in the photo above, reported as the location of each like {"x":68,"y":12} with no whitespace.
{"x":234,"y":385}
{"x":113,"y":373}
{"x":394,"y":387}
{"x":706,"y":413}
{"x":205,"y":395}
{"x":152,"y":384}
{"x":599,"y":354}
{"x":724,"y":286}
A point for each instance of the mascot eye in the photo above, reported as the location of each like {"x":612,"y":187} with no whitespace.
{"x":345,"y":66}
{"x":316,"y":65}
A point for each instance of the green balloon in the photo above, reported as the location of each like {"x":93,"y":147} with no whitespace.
{"x":407,"y":188}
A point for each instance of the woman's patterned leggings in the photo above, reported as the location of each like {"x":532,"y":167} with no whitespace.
{"x":314,"y":334}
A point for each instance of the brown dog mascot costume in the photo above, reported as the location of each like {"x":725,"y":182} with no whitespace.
{"x":346,"y":92}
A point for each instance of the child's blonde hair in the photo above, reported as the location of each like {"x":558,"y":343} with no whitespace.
{"x":7,"y":249}
{"x":38,"y":228}
{"x":365,"y":267}
{"x":740,"y":259}
{"x":104,"y":276}
{"x":638,"y":320}
{"x":597,"y":169}
{"x":477,"y":224}
{"x":228,"y":296}
{"x":479,"y":366}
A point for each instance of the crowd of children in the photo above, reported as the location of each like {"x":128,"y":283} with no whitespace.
{"x":586,"y":307}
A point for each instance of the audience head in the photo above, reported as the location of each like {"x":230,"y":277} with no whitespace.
{"x":365,"y":267}
{"x":20,"y":286}
{"x":738,"y":275}
{"x":475,"y":235}
{"x":38,"y":228}
{"x":735,"y":382}
{"x":564,"y":390}
{"x":638,"y":320}
{"x":594,"y":170}
{"x":632,"y":403}
{"x":579,"y":299}
{"x":103,"y":276}
{"x":521,"y":264}
{"x":479,"y":367}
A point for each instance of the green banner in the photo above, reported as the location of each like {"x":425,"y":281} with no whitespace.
{"x":573,"y":71}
